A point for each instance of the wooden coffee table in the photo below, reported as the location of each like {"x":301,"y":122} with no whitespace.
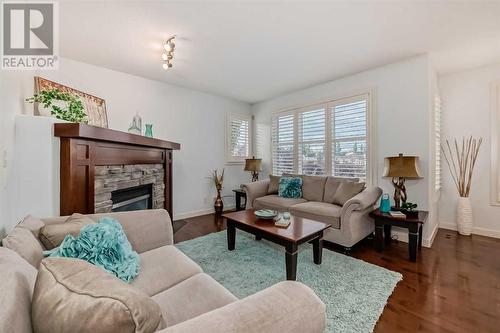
{"x":299,"y":231}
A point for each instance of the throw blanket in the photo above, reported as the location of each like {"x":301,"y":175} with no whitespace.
{"x":103,"y":244}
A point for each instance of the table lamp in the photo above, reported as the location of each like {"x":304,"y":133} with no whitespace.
{"x":401,"y":168}
{"x":254,"y":165}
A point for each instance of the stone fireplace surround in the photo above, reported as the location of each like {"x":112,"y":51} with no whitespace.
{"x":109,"y":178}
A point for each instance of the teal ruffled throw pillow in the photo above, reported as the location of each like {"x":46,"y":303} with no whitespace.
{"x":103,"y":244}
{"x":290,"y":187}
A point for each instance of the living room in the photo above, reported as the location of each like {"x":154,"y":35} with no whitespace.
{"x":247,"y":145}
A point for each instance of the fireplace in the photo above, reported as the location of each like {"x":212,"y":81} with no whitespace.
{"x":132,"y":198}
{"x":104,"y":170}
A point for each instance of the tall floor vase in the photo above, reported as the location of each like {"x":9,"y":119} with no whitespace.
{"x":464,"y":216}
{"x":219,"y":204}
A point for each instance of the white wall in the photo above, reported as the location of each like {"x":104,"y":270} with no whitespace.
{"x":466,"y":111}
{"x":194,"y":119}
{"x":14,"y":86}
{"x":402,"y":120}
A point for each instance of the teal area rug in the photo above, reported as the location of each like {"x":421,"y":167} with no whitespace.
{"x":355,"y":292}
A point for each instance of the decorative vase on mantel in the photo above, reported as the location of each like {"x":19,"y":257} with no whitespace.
{"x":464,"y":216}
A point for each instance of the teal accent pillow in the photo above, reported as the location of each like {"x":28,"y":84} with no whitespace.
{"x":103,"y":244}
{"x":290,"y":187}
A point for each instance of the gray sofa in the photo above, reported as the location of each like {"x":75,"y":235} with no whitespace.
{"x":350,"y":222}
{"x":190,"y":300}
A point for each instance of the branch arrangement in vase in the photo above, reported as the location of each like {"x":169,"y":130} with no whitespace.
{"x":461,"y":160}
{"x":218,"y":180}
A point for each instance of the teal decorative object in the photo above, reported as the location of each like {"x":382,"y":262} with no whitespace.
{"x":290,"y":187}
{"x":354,"y":292}
{"x":103,"y":244}
{"x":385,"y":203}
{"x":149,"y":130}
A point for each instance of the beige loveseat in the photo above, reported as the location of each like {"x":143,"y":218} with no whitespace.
{"x":350,"y":222}
{"x":190,"y":300}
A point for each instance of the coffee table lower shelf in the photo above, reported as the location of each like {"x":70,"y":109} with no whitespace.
{"x":291,"y":246}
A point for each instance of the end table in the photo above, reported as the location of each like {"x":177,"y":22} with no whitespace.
{"x":239,"y":193}
{"x":384,"y":222}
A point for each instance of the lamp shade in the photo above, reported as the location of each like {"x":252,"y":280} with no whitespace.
{"x":402,"y":166}
{"x":253,"y":164}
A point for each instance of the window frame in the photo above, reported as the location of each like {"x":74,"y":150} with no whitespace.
{"x":231,"y":159}
{"x":368,"y":96}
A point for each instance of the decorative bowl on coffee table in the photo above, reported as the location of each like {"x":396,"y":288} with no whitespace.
{"x":266,"y":214}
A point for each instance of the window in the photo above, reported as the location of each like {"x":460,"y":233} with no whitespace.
{"x":348,"y":118}
{"x":437,"y":142}
{"x":311,"y":141}
{"x":238,"y":138}
{"x":326,"y":139}
{"x":283,"y":143}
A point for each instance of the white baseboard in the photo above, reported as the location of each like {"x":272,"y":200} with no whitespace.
{"x":200,"y":212}
{"x":402,"y":235}
{"x":475,"y":230}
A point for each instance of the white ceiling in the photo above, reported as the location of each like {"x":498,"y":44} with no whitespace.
{"x":255,"y":51}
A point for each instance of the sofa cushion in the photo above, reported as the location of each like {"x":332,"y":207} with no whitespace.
{"x":346,"y":191}
{"x":162,"y":268}
{"x":72,"y":295}
{"x":331,"y":186}
{"x":17,"y":281}
{"x":22,"y":240}
{"x":197,"y":295}
{"x":318,"y":211}
{"x":52,"y":235}
{"x":276,"y":202}
{"x":313,"y":187}
{"x":290,"y":187}
{"x":274,"y":183}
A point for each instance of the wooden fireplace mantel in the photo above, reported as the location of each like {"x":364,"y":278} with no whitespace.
{"x":84,"y":147}
{"x":83,"y":131}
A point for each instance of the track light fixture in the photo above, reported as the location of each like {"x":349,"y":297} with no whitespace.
{"x":168,"y":55}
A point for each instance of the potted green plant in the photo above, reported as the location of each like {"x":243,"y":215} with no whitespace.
{"x":409,"y":209}
{"x":61,"y":105}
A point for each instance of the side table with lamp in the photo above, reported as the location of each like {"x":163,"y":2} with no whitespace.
{"x":399,"y":168}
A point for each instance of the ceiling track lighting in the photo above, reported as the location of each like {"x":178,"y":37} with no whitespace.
{"x":168,"y":54}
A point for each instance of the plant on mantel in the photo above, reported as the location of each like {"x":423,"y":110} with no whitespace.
{"x":461,"y":160}
{"x":62,"y":105}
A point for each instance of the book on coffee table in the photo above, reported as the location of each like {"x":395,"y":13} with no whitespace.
{"x":281,"y":222}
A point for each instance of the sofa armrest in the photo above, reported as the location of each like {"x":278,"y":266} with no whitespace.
{"x":285,"y":307}
{"x":255,"y":190}
{"x":363,"y":200}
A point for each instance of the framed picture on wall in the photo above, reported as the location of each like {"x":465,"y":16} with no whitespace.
{"x":94,"y":107}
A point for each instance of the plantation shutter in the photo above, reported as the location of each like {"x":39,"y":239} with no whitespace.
{"x":238,"y":138}
{"x":349,"y":137}
{"x":437,"y":141}
{"x":283,"y":143}
{"x":311,"y":141}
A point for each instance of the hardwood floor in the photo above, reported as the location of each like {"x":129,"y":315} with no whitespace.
{"x":453,"y":287}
